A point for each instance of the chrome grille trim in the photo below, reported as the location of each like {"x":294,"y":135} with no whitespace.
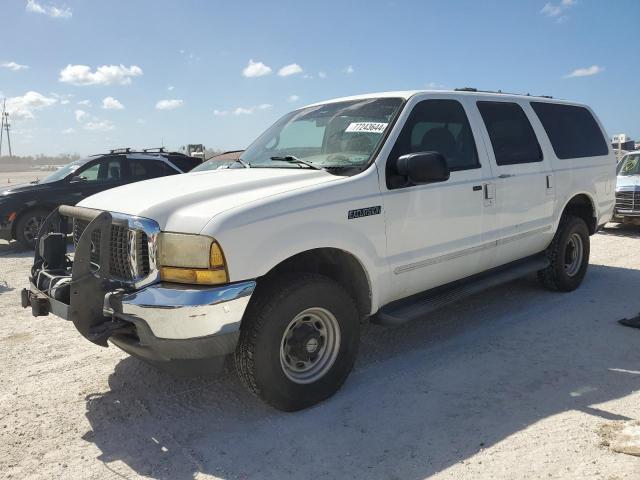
{"x":133,"y":248}
{"x":628,"y":200}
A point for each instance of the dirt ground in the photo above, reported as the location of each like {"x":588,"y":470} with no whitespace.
{"x":514,"y":383}
{"x":9,"y":179}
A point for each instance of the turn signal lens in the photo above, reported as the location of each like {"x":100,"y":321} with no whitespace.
{"x":194,"y":276}
{"x":216,"y":259}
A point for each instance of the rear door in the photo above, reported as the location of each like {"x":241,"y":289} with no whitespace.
{"x":524,"y":192}
{"x":436,"y":232}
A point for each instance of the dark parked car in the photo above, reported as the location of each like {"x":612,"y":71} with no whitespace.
{"x":23,"y":207}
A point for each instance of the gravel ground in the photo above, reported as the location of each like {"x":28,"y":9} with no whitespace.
{"x":516,"y":382}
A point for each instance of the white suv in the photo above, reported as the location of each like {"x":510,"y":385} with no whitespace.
{"x":382,"y":206}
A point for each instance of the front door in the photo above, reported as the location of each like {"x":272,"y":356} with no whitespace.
{"x":96,"y":177}
{"x":436,"y":232}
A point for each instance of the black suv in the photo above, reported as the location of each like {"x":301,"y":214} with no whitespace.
{"x":23,"y":207}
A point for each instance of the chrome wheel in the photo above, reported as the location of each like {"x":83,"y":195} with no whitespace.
{"x":573,"y":254}
{"x":310,"y":345}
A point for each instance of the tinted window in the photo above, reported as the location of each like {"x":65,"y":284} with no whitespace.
{"x":572,"y":130}
{"x":185,"y":163}
{"x":512,"y":137}
{"x":439,"y":126}
{"x":147,"y":168}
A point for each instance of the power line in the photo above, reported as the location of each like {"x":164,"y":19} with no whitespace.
{"x":4,"y":127}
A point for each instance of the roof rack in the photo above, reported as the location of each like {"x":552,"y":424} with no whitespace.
{"x":157,"y":149}
{"x":499,"y":92}
{"x":120,"y":150}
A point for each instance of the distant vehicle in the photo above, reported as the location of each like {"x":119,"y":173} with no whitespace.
{"x":222,"y":160}
{"x":24,"y":207}
{"x":627,"y":209}
{"x":196,"y":150}
{"x":619,"y":154}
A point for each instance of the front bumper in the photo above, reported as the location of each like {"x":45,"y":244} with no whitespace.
{"x":6,"y":228}
{"x":161,"y":322}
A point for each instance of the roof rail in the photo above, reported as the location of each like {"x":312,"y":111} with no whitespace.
{"x":157,"y":149}
{"x":120,"y":150}
{"x":499,"y":92}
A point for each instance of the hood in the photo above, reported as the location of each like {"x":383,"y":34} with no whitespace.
{"x":22,"y":187}
{"x":627,"y":182}
{"x":186,"y":203}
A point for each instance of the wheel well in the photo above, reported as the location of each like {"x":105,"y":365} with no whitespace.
{"x":581,"y":206}
{"x":340,"y":266}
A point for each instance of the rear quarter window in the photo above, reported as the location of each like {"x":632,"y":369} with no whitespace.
{"x":185,"y":163}
{"x":572,"y":130}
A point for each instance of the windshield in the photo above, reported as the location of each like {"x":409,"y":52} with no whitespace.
{"x":64,"y":171}
{"x":341,"y":134}
{"x":630,"y":165}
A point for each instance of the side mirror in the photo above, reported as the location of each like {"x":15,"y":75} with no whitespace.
{"x":423,"y":167}
{"x":77,"y":178}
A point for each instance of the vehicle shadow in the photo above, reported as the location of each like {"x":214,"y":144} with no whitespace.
{"x":423,"y":396}
{"x":621,"y":230}
{"x":14,"y":250}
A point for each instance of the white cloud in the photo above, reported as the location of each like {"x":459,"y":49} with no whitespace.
{"x":322,"y":75}
{"x":170,"y":88}
{"x":293,"y":98}
{"x":291,"y":69}
{"x":86,"y":103}
{"x":81,"y":115}
{"x":141,"y":121}
{"x":104,"y":75}
{"x":23,"y":107}
{"x":99,"y":126}
{"x":110,"y":103}
{"x":555,"y":10}
{"x":169,"y":104}
{"x":251,"y":110}
{"x":220,"y":113}
{"x":13,"y":66}
{"x":68,"y":131}
{"x":256,"y":69}
{"x":48,"y":10}
{"x":585,"y":72}
{"x":436,"y":86}
{"x":349,"y":70}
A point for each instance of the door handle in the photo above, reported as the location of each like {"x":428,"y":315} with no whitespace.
{"x":506,"y":175}
{"x":477,"y":188}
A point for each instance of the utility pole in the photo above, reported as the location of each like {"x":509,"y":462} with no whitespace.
{"x":4,"y":127}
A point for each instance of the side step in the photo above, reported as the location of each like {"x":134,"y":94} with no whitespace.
{"x":420,"y":304}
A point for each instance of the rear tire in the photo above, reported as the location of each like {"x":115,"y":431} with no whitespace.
{"x":568,"y":254}
{"x":28,"y":226}
{"x":298,"y":342}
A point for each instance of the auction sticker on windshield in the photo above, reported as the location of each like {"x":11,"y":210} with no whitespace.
{"x":367,"y":127}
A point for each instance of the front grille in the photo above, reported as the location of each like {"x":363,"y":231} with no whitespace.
{"x":129,"y":257}
{"x":628,"y":200}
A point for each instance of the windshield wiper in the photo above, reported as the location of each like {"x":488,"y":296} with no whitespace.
{"x":296,"y":160}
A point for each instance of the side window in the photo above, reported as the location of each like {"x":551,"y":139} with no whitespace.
{"x":437,"y":126}
{"x":512,"y":137}
{"x":141,"y":168}
{"x":104,"y":170}
{"x":572,"y":130}
{"x":184,"y":163}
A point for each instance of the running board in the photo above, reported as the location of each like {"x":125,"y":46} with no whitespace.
{"x":420,"y":304}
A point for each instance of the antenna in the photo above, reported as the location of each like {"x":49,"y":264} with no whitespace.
{"x":4,"y":126}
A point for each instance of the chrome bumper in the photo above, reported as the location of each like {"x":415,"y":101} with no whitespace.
{"x":180,"y":312}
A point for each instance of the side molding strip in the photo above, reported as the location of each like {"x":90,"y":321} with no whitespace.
{"x":468,"y":251}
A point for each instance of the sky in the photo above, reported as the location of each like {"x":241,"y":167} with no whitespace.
{"x":84,"y":76}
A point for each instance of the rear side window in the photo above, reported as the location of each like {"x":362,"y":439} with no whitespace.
{"x":142,"y":168}
{"x":572,"y":130}
{"x":185,"y":163}
{"x":512,"y":137}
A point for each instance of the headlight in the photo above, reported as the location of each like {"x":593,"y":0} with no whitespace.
{"x":194,"y":259}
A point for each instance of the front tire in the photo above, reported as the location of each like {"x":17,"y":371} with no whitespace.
{"x":28,"y":226}
{"x":568,"y":255}
{"x":298,"y":342}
